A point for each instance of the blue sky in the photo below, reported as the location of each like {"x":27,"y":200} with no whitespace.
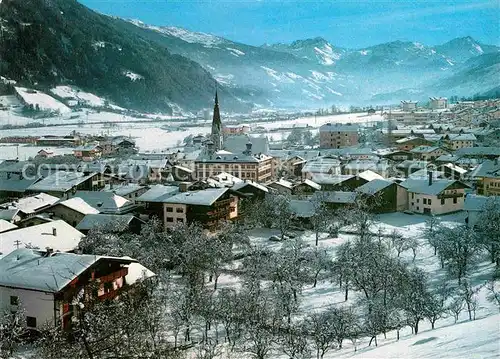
{"x":346,"y":23}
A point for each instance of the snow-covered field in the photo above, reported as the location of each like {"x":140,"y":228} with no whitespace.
{"x":8,"y":152}
{"x":466,"y":339}
{"x":148,"y":134}
{"x":68,"y":92}
{"x":42,"y":100}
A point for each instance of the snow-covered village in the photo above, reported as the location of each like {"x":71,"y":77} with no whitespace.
{"x":169,"y":193}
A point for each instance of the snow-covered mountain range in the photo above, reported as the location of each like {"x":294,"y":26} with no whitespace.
{"x":314,"y":72}
{"x":48,"y":43}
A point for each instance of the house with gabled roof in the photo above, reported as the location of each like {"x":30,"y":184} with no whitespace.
{"x":475,"y":205}
{"x":305,"y":187}
{"x":434,"y":196}
{"x":130,"y":191}
{"x":110,"y":222}
{"x":428,"y":153}
{"x":335,"y":199}
{"x":58,"y":235}
{"x":64,"y":184}
{"x":281,"y":186}
{"x":87,"y":153}
{"x":409,"y":167}
{"x":72,"y":210}
{"x":321,"y":165}
{"x":253,"y":190}
{"x":48,"y":285}
{"x":339,"y":182}
{"x":152,"y":200}
{"x":460,"y":140}
{"x":106,"y":202}
{"x":207,"y":207}
{"x":384,"y":196}
{"x":409,"y":143}
{"x":487,"y":176}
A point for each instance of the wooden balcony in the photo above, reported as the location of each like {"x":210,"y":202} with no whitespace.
{"x":450,"y":195}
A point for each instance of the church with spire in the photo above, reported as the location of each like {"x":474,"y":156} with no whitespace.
{"x":236,"y":158}
{"x":217,"y":136}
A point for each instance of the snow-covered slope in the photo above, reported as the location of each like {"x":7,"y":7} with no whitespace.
{"x":40,"y":100}
{"x":317,"y":49}
{"x":476,"y":339}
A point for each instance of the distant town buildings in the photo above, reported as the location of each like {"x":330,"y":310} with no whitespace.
{"x":409,"y":105}
{"x":338,"y":135}
{"x":438,"y":103}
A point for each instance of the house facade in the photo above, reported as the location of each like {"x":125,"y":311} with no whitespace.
{"x":88,"y":153}
{"x":435,"y":196}
{"x":338,"y":135}
{"x":46,"y":284}
{"x":207,"y":207}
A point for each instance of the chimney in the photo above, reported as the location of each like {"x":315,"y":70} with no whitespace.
{"x":430,"y":177}
{"x":249,"y":148}
{"x":54,"y":231}
{"x":48,"y":251}
{"x":184,"y":186}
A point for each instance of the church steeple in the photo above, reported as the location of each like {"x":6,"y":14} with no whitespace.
{"x":216,"y":135}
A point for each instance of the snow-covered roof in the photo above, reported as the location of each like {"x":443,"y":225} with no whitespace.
{"x":32,"y":203}
{"x":87,"y":148}
{"x":421,"y":186}
{"x":226,"y":178}
{"x":137,"y":272}
{"x":79,"y":205}
{"x":369,"y":175}
{"x":241,"y":185}
{"x":363,"y":165}
{"x":31,"y":269}
{"x":283,"y":183}
{"x":106,"y":202}
{"x":335,"y":197}
{"x":8,"y":214}
{"x":114,"y":221}
{"x":125,"y":189}
{"x":489,"y":169}
{"x":202,"y":198}
{"x":310,"y":183}
{"x":331,"y":180}
{"x":461,"y":137}
{"x":425,"y":149}
{"x":320,"y":165}
{"x":407,"y":139}
{"x":42,"y":236}
{"x":60,"y":181}
{"x":433,"y":137}
{"x":6,"y":226}
{"x":158,"y":193}
{"x":478,"y":151}
{"x":477,"y":203}
{"x":455,"y":168}
{"x":16,"y":184}
{"x":447,"y":158}
{"x":374,"y":186}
